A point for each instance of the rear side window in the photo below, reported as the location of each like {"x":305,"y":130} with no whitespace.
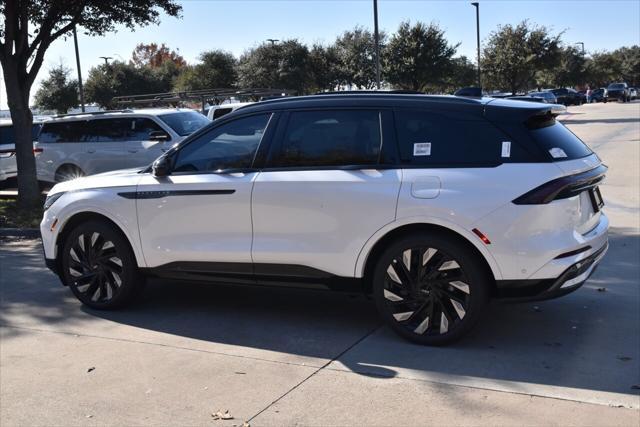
{"x":107,"y":130}
{"x":62,"y":132}
{"x":330,"y":138}
{"x":433,"y":139}
{"x":7,"y":136}
{"x":560,"y":142}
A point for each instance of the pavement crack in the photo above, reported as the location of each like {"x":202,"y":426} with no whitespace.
{"x":338,"y":356}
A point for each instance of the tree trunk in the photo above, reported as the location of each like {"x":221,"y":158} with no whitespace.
{"x":18,"y":100}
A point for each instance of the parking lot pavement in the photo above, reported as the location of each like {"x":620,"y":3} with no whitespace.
{"x":282,"y":357}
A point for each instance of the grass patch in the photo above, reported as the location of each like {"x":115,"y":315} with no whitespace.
{"x":12,"y":216}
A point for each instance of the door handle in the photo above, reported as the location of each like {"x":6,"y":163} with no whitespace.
{"x":91,"y":151}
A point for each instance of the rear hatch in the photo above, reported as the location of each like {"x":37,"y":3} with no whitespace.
{"x":574,"y":190}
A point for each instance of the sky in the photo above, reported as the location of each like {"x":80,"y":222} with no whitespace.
{"x":237,"y":25}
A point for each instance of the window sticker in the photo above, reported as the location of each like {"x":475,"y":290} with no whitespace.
{"x":422,"y":149}
{"x":506,"y":148}
{"x":557,"y":153}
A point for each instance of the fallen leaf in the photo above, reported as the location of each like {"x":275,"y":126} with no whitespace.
{"x":89,"y":416}
{"x":222,"y":415}
{"x":246,"y":424}
{"x":602,"y":289}
{"x":241,"y":373}
{"x":91,"y":369}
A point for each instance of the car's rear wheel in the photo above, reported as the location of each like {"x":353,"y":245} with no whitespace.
{"x":430,"y":288}
{"x":99,"y":266}
{"x":68,"y":172}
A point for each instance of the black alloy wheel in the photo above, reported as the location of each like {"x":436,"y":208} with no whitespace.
{"x":99,"y":266}
{"x":431,"y":292}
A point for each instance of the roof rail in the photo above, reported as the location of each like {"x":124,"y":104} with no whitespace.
{"x":93,"y":113}
{"x":367,"y":92}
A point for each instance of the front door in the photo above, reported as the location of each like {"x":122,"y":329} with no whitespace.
{"x":198,"y":219}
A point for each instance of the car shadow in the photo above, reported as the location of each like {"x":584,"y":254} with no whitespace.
{"x":588,"y":339}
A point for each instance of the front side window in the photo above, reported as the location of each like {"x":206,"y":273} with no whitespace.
{"x":427,"y":138}
{"x":232,"y":145}
{"x":141,"y":129}
{"x":330,"y":138}
{"x":184,"y":122}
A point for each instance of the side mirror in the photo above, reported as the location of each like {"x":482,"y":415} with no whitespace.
{"x":158,"y":135}
{"x":161,"y":167}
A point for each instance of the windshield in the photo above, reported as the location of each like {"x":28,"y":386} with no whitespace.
{"x":185,"y":122}
{"x":616,"y":86}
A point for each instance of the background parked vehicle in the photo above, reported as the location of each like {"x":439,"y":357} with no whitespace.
{"x":598,"y":95}
{"x":548,"y":97}
{"x":84,"y":144}
{"x":633,"y":93}
{"x":567,"y":96}
{"x":217,"y":111}
{"x":527,"y":98}
{"x":619,"y":92}
{"x":8,"y":167}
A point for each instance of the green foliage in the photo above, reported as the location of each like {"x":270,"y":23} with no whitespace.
{"x":283,"y":65}
{"x":324,"y":68}
{"x":355,"y":51}
{"x":57,"y":92}
{"x":513,"y":56}
{"x":217,"y":69}
{"x":119,"y":78}
{"x":154,"y":55}
{"x":419,"y":58}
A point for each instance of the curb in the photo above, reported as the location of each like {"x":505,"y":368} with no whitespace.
{"x":20,"y":232}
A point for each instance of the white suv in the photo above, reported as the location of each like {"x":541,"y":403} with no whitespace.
{"x":81,"y":144}
{"x":432,"y":204}
{"x":8,"y":165}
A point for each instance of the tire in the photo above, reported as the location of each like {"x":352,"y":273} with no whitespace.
{"x":68,"y":172}
{"x":445,"y":303}
{"x":99,"y":266}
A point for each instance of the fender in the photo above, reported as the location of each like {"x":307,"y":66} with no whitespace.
{"x":466,"y":234}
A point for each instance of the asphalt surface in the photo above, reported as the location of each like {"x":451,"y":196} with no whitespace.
{"x":290,"y":357}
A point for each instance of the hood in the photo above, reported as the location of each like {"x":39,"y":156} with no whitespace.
{"x":118,"y":178}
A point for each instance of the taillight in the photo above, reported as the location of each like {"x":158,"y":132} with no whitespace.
{"x":564,"y":187}
{"x":37,"y":150}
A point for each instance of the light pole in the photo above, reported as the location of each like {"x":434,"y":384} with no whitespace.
{"x":376,"y":36}
{"x":582,"y":44}
{"x":477,"y":6}
{"x":106,"y":59}
{"x":75,"y":42}
{"x":273,"y":41}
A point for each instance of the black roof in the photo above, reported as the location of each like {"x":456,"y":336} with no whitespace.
{"x":498,"y":109}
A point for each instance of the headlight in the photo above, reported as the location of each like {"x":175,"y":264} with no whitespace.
{"x":52,"y":199}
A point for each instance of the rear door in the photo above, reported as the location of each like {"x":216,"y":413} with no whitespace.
{"x":104,"y":145}
{"x":323,"y":193}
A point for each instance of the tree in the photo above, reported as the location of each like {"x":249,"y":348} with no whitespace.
{"x":357,"y":57}
{"x":152,"y":55}
{"x":119,"y":78}
{"x":513,"y":56}
{"x":418,"y":57}
{"x":602,"y":69}
{"x":282,"y":65}
{"x":629,"y":59}
{"x":464,"y":73}
{"x":217,"y":69}
{"x":324,"y":67}
{"x":58,"y":92}
{"x":26,"y":32}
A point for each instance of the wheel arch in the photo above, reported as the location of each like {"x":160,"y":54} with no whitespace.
{"x":82,"y":217}
{"x":375,"y":247}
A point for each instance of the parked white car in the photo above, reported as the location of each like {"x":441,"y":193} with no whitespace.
{"x":85,"y":144}
{"x":431,"y":204}
{"x":8,"y":166}
{"x":217,"y":111}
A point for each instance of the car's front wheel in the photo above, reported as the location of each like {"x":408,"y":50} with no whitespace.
{"x":430,"y":288}
{"x":99,"y":266}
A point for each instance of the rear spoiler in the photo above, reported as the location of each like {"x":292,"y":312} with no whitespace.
{"x":504,"y":110}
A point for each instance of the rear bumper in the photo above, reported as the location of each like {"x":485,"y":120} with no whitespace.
{"x":535,"y":290}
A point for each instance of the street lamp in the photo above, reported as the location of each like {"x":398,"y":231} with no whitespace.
{"x":106,"y":59}
{"x":273,"y":41}
{"x":75,"y":42}
{"x":376,"y":36}
{"x":477,"y":6}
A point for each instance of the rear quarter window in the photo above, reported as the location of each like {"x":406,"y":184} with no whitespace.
{"x":62,"y":132}
{"x":439,"y":140}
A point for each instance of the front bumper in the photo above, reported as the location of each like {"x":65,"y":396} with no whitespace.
{"x":535,"y":290}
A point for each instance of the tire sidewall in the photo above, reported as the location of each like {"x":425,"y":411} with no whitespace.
{"x":468,"y":261}
{"x":130,"y":276}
